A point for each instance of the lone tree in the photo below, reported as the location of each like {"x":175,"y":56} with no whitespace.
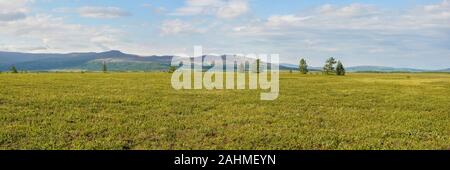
{"x":340,"y":70}
{"x":14,"y":69}
{"x":104,"y":69}
{"x":329,"y":66}
{"x":303,"y":67}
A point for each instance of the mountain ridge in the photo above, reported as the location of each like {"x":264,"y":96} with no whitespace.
{"x":119,"y":61}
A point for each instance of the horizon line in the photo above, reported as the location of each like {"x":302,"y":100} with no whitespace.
{"x":172,"y":55}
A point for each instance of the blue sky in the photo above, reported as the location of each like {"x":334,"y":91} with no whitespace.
{"x":401,"y":33}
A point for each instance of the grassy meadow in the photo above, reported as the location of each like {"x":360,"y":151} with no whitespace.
{"x":142,"y":111}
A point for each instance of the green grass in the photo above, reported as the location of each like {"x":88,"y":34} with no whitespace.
{"x":142,"y":111}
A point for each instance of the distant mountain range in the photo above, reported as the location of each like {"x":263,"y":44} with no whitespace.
{"x":382,"y":69}
{"x":444,"y":70}
{"x":372,"y":69}
{"x":118,"y":61}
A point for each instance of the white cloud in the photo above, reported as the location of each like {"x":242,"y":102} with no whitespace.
{"x":198,"y":7}
{"x":352,"y":10}
{"x":439,"y":11}
{"x":357,"y":30}
{"x":53,"y":34}
{"x":102,"y":12}
{"x":177,"y":26}
{"x":155,"y":9}
{"x":13,"y":10}
{"x":46,"y":33}
{"x":219,"y":8}
{"x":285,"y":20}
{"x":443,"y":6}
{"x":11,"y":16}
{"x":360,"y":33}
{"x":232,"y":9}
{"x":8,"y":5}
{"x":354,"y":17}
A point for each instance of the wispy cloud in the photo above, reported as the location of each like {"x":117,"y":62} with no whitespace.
{"x":102,"y":12}
{"x":56,"y":35}
{"x":177,"y":26}
{"x":358,"y":31}
{"x":219,"y":8}
{"x":13,"y":10}
{"x":155,"y":9}
{"x":416,"y":34}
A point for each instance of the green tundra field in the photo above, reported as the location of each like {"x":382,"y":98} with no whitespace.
{"x":142,"y":111}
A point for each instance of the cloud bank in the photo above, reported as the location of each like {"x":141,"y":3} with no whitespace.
{"x":357,"y":34}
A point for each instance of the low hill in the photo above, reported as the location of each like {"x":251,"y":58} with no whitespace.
{"x":82,"y":61}
{"x":444,"y":70}
{"x":381,"y":69}
{"x":118,"y":61}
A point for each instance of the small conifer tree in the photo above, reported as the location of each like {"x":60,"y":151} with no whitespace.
{"x":14,"y":69}
{"x":303,"y":67}
{"x":340,"y":70}
{"x":104,"y":69}
{"x":329,"y":66}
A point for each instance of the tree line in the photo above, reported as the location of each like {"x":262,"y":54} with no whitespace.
{"x":332,"y":66}
{"x":13,"y":69}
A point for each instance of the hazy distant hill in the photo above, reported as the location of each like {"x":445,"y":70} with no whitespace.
{"x":381,"y":69}
{"x":444,"y":70}
{"x":365,"y":69}
{"x":118,"y":61}
{"x":295,"y":67}
{"x":82,"y":61}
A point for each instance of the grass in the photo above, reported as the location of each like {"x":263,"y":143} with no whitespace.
{"x":142,"y":111}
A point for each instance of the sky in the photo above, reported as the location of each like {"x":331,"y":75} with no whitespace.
{"x":401,"y":33}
